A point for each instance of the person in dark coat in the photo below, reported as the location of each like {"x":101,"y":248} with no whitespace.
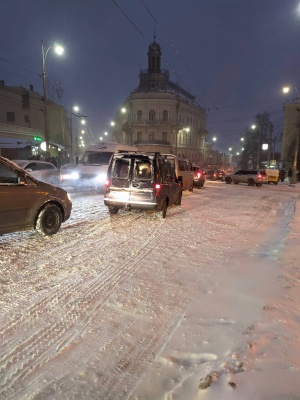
{"x":290,"y":172}
{"x":282,"y":175}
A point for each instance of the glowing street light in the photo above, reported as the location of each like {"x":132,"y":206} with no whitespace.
{"x":58,"y":49}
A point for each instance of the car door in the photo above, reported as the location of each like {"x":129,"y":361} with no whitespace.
{"x":174,"y":187}
{"x":119,"y":174}
{"x":15,"y":201}
{"x":142,"y":177}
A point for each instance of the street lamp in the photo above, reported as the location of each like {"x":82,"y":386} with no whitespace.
{"x":58,"y":50}
{"x":293,"y":179}
{"x":259,"y":143}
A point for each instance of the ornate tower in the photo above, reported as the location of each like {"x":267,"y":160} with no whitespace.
{"x":154,"y":58}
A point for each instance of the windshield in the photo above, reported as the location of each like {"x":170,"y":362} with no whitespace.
{"x":96,"y":158}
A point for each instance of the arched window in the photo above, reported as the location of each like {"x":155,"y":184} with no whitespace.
{"x":151,"y":115}
{"x":165,"y":115}
{"x":140,"y":115}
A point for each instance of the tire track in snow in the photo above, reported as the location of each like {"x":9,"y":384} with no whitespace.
{"x":36,"y":348}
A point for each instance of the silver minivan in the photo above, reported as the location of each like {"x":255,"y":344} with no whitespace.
{"x":143,"y":181}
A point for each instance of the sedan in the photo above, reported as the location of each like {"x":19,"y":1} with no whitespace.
{"x":42,"y":170}
{"x":26,"y":203}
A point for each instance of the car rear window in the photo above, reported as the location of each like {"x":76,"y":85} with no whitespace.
{"x":142,"y":169}
{"x":121,"y":168}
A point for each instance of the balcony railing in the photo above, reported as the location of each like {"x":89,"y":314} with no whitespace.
{"x":160,"y":142}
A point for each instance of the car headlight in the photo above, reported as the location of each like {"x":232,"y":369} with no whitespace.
{"x":101,"y":177}
{"x":74,"y":175}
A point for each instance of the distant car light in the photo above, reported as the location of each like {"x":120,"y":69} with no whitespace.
{"x":101,"y":177}
{"x":74,"y":175}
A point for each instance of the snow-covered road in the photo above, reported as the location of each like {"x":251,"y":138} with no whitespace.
{"x":132,"y":306}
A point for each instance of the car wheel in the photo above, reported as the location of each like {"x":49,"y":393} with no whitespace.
{"x":251,"y":182}
{"x":275,"y":183}
{"x":163,"y":211}
{"x":178,"y":202}
{"x":228,"y":181}
{"x":49,"y":220}
{"x":113,"y":210}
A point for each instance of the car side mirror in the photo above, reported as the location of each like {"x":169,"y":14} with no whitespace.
{"x":28,"y":169}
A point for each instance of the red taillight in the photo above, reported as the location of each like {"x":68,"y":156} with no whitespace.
{"x":157,"y":189}
{"x":107,"y":185}
{"x":199,"y":175}
{"x":259,"y":176}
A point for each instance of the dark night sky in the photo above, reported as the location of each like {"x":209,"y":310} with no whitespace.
{"x":233,"y":55}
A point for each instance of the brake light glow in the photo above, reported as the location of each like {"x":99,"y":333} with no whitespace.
{"x":198,"y":174}
{"x":259,"y":176}
{"x":107,"y":186}
{"x":157,"y":189}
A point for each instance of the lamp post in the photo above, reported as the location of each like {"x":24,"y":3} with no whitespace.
{"x":293,"y":179}
{"x":58,"y":50}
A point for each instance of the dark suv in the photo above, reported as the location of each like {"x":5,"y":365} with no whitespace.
{"x":251,"y":177}
{"x":143,"y":181}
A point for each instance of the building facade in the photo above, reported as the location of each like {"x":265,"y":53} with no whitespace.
{"x":22,"y":124}
{"x":160,"y":116}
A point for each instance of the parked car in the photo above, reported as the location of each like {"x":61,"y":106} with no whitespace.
{"x":42,"y":170}
{"x":143,"y":181}
{"x":199,"y":176}
{"x":219,"y":175}
{"x":251,"y":177}
{"x":211,"y":174}
{"x":26,"y":203}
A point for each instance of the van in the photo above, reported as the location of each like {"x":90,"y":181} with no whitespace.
{"x":142,"y":181}
{"x":92,"y":167}
{"x":184,"y":171}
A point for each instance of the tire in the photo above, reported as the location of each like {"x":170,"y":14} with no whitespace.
{"x":228,"y":181}
{"x":163,"y":211}
{"x":49,"y":220}
{"x":178,"y":202}
{"x":275,"y":183}
{"x":113,"y":209}
{"x":251,"y":182}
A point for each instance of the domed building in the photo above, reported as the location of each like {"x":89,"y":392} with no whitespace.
{"x":161,"y":116}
